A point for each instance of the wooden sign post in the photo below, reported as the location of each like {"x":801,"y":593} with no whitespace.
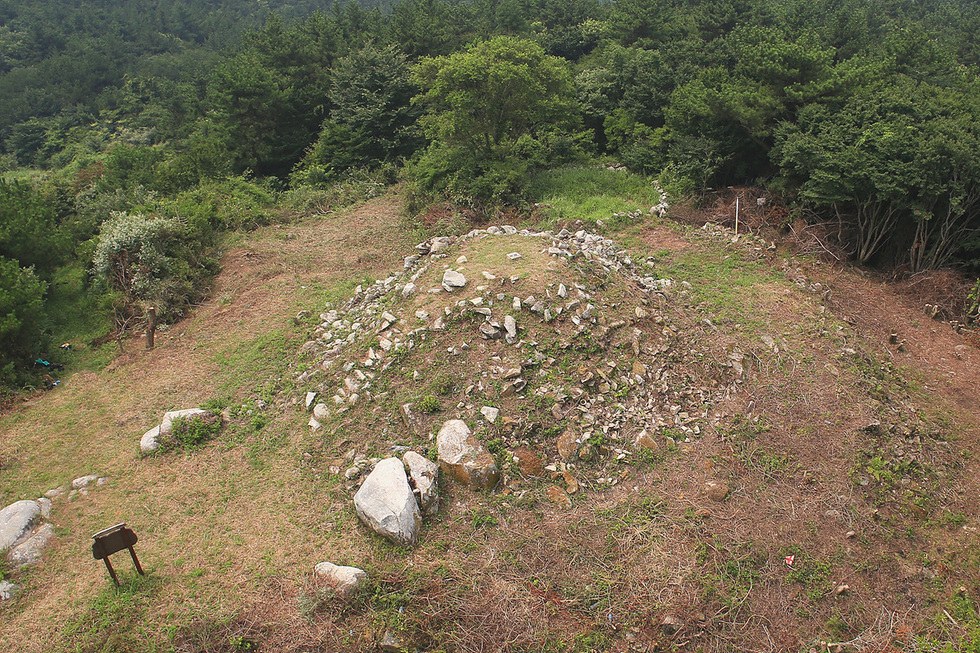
{"x":112,"y":540}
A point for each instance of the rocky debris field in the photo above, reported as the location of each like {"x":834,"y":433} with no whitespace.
{"x":559,"y":350}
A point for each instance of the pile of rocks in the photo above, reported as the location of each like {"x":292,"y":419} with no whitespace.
{"x":639,"y":394}
{"x":396,"y":494}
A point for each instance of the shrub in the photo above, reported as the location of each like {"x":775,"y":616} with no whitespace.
{"x":429,"y":404}
{"x":21,"y":314}
{"x":194,"y":432}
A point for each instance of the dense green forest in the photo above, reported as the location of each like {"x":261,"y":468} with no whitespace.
{"x":133,"y":137}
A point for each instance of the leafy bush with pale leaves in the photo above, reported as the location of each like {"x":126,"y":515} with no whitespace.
{"x":130,"y":252}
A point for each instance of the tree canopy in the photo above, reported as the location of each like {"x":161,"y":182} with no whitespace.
{"x":864,"y":112}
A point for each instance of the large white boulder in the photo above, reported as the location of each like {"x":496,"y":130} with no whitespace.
{"x":23,"y":536}
{"x":167,"y":425}
{"x":29,"y":551}
{"x":386,"y":504}
{"x":16,"y":521}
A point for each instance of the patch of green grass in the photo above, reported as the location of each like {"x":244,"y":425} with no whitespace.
{"x":733,"y":570}
{"x":589,"y":194}
{"x":483,"y":519}
{"x":810,"y":572}
{"x":115,"y":621}
{"x":428,"y":404}
{"x":723,"y":283}
{"x":258,"y":367}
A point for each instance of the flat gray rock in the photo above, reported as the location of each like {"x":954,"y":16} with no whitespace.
{"x":387,"y":505}
{"x":16,"y":521}
{"x":423,"y":474}
{"x":464,"y":459}
{"x":451,"y":280}
{"x":29,"y":552}
{"x":83,"y":481}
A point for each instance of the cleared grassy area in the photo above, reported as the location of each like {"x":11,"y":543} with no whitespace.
{"x":230,"y":530}
{"x":589,"y":194}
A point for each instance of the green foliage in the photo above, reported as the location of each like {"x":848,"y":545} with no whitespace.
{"x":193,"y":432}
{"x":810,"y":572}
{"x":29,"y":230}
{"x":229,"y":204}
{"x":495,"y":112}
{"x":590,"y":193}
{"x":130,"y":253}
{"x":974,"y":301}
{"x":115,"y":620}
{"x":372,"y":119}
{"x":157,"y":262}
{"x":21,"y":315}
{"x":486,"y":98}
{"x":897,"y":159}
{"x":429,"y":404}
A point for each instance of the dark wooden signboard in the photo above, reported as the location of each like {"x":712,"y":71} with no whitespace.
{"x":112,"y":540}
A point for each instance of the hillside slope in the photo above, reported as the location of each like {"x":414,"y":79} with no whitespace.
{"x":801,"y":482}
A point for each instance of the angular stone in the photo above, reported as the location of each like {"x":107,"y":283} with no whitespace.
{"x":646,"y":441}
{"x":716,"y":490}
{"x":343,"y":580}
{"x":490,"y":413}
{"x":452,"y":280}
{"x":16,"y":521}
{"x":386,"y":504}
{"x":568,"y":445}
{"x":423,"y":475}
{"x":489,"y":332}
{"x":321,"y":412}
{"x":463,"y":458}
{"x":510,"y":326}
{"x":512,"y":388}
{"x":438,"y":244}
{"x":559,"y":496}
{"x":310,"y":399}
{"x":392,"y":642}
{"x":512,"y":373}
{"x":8,"y":590}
